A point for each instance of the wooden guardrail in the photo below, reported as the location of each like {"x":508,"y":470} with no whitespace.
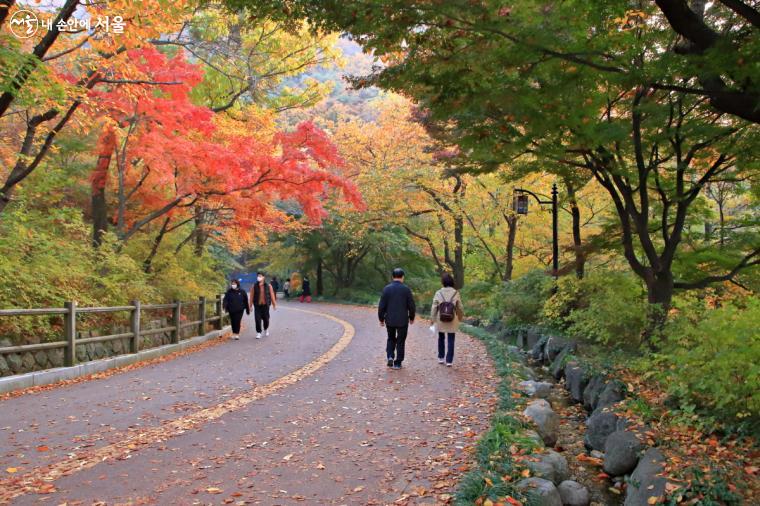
{"x":70,"y":311}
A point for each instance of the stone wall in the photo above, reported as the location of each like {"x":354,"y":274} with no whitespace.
{"x":20,"y":363}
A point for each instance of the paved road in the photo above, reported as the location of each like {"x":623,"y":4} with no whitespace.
{"x":309,"y":415}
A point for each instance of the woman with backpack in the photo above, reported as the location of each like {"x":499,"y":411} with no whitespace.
{"x":446,"y":313}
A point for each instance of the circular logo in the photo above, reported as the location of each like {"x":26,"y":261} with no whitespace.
{"x":24,"y":24}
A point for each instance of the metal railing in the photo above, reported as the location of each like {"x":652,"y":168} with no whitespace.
{"x":70,"y":311}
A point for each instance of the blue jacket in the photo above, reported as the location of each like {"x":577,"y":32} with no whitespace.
{"x":396,"y":306}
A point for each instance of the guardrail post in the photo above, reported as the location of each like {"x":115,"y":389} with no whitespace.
{"x":218,"y":323}
{"x":177,"y":334}
{"x":202,"y":316}
{"x":135,"y":324}
{"x":70,"y":332}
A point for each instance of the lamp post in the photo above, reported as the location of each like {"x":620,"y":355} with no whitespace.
{"x":520,"y":206}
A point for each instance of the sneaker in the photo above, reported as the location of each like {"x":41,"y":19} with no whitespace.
{"x":449,"y":364}
{"x":258,"y":335}
{"x":397,"y":366}
{"x":390,"y":362}
{"x":267,"y":333}
{"x":235,"y":337}
{"x":440,"y":361}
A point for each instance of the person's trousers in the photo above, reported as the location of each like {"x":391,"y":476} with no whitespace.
{"x":306,"y":298}
{"x":396,"y":343}
{"x":261,"y":315}
{"x":448,"y":351}
{"x":235,"y":319}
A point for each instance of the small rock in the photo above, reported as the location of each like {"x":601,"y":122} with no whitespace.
{"x":531,"y":338}
{"x":56,"y":357}
{"x":554,"y":345}
{"x":613,"y":392}
{"x":593,"y":389}
{"x":539,"y":389}
{"x":621,"y":453}
{"x":600,"y":425}
{"x":550,"y":466}
{"x":557,"y":369}
{"x":28,"y":360}
{"x":41,"y":358}
{"x":646,"y":481}
{"x":597,"y":454}
{"x":540,"y":492}
{"x":573,"y":493}
{"x":82,"y":353}
{"x":546,"y":420}
{"x":576,"y":380}
{"x":15,"y":363}
{"x":537,"y":351}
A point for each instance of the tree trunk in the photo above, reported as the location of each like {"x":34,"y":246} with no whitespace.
{"x":660,"y":296}
{"x":580,"y":257}
{"x":458,"y":265}
{"x":148,"y":264}
{"x":320,"y":278}
{"x":98,"y":182}
{"x":200,"y":231}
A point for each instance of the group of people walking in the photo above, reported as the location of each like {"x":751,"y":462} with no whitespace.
{"x":236,"y":301}
{"x":397,"y":311}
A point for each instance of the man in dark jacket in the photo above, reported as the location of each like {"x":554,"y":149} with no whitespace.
{"x":396,"y":313}
{"x":262,"y":296}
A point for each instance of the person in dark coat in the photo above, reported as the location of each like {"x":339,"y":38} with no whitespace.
{"x":262,"y":296}
{"x":235,"y":302}
{"x":275,"y":284}
{"x":396,"y":312}
{"x":306,"y":290}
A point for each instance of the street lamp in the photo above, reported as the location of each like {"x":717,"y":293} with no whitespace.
{"x":520,"y":206}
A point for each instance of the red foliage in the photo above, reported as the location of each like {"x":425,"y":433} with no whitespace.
{"x":171,"y":151}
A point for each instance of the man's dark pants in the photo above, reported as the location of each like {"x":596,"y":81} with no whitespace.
{"x":396,"y":341}
{"x":261,"y":314}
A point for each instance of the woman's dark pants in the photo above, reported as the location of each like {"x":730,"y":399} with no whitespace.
{"x":235,"y":320}
{"x":442,"y":348}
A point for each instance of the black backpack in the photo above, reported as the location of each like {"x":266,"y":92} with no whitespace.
{"x":447,"y":309}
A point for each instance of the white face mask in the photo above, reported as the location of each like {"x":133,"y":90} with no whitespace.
{"x":260,"y":278}
{"x":234,"y":286}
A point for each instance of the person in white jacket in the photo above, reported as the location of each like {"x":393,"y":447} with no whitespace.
{"x":446,"y":313}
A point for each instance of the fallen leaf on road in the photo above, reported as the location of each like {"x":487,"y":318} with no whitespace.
{"x":287,"y":457}
{"x":11,"y":470}
{"x":214,"y":490}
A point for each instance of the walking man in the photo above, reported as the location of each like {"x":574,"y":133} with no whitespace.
{"x":396,"y":312}
{"x":262,"y":296}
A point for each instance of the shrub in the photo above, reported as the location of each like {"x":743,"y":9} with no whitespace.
{"x":520,"y":300}
{"x":605,"y":307}
{"x":711,"y":363}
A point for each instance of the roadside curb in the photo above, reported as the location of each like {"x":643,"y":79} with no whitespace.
{"x":50,"y":376}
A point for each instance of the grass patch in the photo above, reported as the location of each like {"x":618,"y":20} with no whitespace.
{"x":496,"y":471}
